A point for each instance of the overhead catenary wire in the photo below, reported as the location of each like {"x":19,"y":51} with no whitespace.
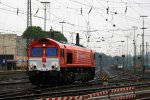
{"x":72,"y":26}
{"x":25,"y":13}
{"x":54,"y":15}
{"x":129,"y":17}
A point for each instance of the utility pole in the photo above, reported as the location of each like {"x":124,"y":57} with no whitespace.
{"x":119,"y":50}
{"x":71,"y":37}
{"x":3,"y":44}
{"x":147,"y":53}
{"x":123,"y":58}
{"x":140,"y":50}
{"x":62,"y":25}
{"x":88,"y":27}
{"x":29,"y":14}
{"x":45,"y":8}
{"x":122,"y":46}
{"x":100,"y":58}
{"x":143,"y":70}
{"x":140,"y":55}
{"x":127,"y":52}
{"x":134,"y":27}
{"x":29,"y":23}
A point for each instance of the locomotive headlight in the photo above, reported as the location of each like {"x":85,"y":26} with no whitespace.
{"x":33,"y":65}
{"x":56,"y":65}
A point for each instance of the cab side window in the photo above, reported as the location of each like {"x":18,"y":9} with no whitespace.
{"x":62,"y":52}
{"x":69,"y":57}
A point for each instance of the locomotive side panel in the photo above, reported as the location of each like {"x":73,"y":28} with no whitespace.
{"x":76,"y":56}
{"x":83,"y":57}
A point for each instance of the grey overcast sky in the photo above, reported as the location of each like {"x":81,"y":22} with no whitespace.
{"x":105,"y":22}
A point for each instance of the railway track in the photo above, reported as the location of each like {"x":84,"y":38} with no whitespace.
{"x":62,"y":91}
{"x":8,"y":87}
{"x":13,"y":82}
{"x":45,"y":89}
{"x":32,"y":92}
{"x":118,"y":74}
{"x":37,"y":90}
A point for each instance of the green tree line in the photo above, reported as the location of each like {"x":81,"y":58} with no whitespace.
{"x":36,"y":32}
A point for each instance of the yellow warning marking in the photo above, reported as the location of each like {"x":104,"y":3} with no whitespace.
{"x":105,"y":78}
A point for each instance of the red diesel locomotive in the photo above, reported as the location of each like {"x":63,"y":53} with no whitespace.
{"x":51,"y":62}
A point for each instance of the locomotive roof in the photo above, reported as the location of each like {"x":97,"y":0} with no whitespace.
{"x":59,"y":44}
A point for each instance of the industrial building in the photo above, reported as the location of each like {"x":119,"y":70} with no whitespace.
{"x":13,"y":53}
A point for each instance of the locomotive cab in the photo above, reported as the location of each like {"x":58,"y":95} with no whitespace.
{"x":43,"y":61}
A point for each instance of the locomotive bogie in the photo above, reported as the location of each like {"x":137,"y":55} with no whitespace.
{"x":64,"y":76}
{"x":39,"y":78}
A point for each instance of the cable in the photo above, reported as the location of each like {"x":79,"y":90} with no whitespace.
{"x":64,"y":20}
{"x":130,"y":18}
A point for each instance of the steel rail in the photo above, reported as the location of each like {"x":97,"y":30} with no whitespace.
{"x":58,"y":93}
